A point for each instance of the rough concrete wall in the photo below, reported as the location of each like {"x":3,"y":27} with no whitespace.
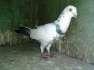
{"x":86,"y":28}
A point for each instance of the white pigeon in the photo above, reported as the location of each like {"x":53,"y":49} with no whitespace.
{"x":47,"y":33}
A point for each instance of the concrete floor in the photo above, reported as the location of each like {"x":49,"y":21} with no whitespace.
{"x":26,"y":58}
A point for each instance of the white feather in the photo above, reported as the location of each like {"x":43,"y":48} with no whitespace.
{"x":47,"y":33}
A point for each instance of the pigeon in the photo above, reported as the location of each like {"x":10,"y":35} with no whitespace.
{"x":47,"y":33}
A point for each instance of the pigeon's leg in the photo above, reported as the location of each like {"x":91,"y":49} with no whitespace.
{"x":48,"y":49}
{"x":42,"y":48}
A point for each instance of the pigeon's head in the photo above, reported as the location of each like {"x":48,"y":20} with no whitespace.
{"x":71,"y":10}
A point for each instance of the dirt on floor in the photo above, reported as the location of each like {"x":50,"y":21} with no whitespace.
{"x":26,"y":58}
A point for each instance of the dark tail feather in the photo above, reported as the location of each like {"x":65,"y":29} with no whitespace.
{"x":23,"y":31}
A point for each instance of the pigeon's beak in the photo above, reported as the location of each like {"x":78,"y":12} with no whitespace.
{"x":75,"y":15}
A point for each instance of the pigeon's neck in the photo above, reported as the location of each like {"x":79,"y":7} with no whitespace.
{"x":64,"y":21}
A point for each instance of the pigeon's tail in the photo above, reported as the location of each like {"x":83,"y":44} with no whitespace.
{"x":23,"y":31}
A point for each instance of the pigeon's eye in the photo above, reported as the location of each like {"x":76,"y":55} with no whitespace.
{"x":70,"y":9}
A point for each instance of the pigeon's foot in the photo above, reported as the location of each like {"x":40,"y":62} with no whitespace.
{"x":44,"y":56}
{"x":47,"y":55}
